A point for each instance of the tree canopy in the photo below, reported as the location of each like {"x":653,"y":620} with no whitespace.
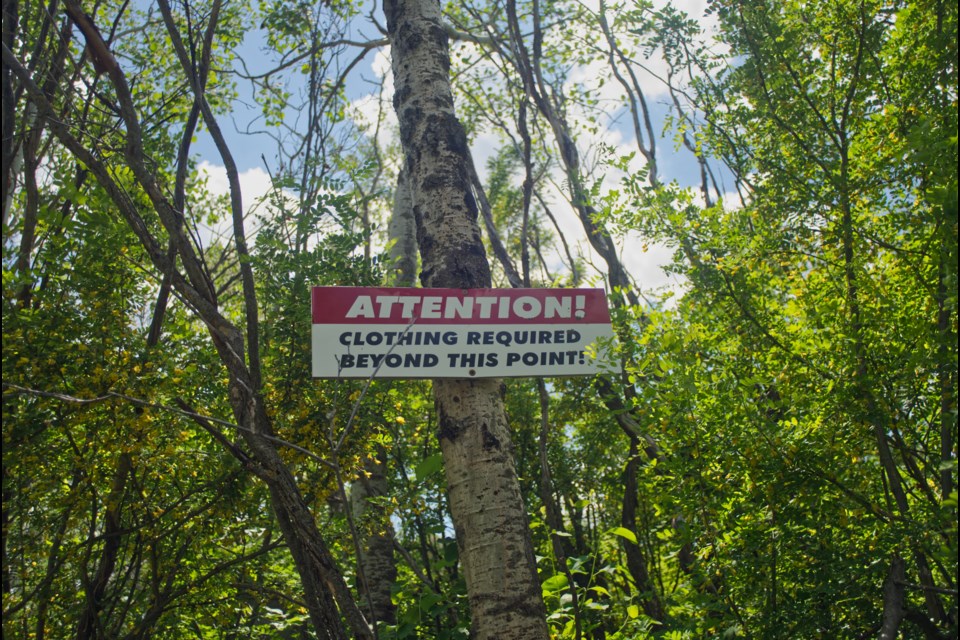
{"x":766,"y":190}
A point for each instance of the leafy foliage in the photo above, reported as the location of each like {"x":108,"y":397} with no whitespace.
{"x":783,"y":435}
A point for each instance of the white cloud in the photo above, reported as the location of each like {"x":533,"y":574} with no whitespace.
{"x":254,"y":185}
{"x":645,"y":263}
{"x":643,"y":260}
{"x":381,"y":65}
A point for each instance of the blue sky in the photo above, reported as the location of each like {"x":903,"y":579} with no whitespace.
{"x":249,"y":150}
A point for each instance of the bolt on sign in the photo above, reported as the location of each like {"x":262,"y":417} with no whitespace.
{"x":363,"y":332}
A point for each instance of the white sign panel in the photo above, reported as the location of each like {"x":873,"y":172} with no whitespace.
{"x":359,"y":332}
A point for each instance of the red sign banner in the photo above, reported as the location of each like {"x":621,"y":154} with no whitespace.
{"x":363,"y":332}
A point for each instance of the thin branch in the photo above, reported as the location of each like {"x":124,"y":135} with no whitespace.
{"x":186,"y":412}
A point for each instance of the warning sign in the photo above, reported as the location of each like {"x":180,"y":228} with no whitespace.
{"x":359,"y":332}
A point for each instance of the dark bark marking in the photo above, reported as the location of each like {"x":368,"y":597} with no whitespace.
{"x":407,"y":39}
{"x":470,"y":202}
{"x":450,"y":428}
{"x":466,"y":267}
{"x":400,"y":97}
{"x":490,"y":441}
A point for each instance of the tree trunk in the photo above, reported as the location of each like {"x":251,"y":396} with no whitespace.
{"x":562,"y":549}
{"x":893,"y":599}
{"x":324,"y":587}
{"x":402,"y":231}
{"x":376,"y":568}
{"x":487,"y":510}
{"x":636,"y":562}
{"x":96,"y":589}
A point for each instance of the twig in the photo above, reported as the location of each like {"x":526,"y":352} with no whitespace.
{"x":188,"y":413}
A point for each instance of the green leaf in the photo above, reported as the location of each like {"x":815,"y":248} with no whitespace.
{"x":625,"y":533}
{"x":428,"y":466}
{"x":555,"y":583}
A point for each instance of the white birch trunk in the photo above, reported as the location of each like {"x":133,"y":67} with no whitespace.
{"x":402,"y":231}
{"x":487,"y":510}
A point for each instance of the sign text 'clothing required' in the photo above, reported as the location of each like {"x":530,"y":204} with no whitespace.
{"x":359,"y":332}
